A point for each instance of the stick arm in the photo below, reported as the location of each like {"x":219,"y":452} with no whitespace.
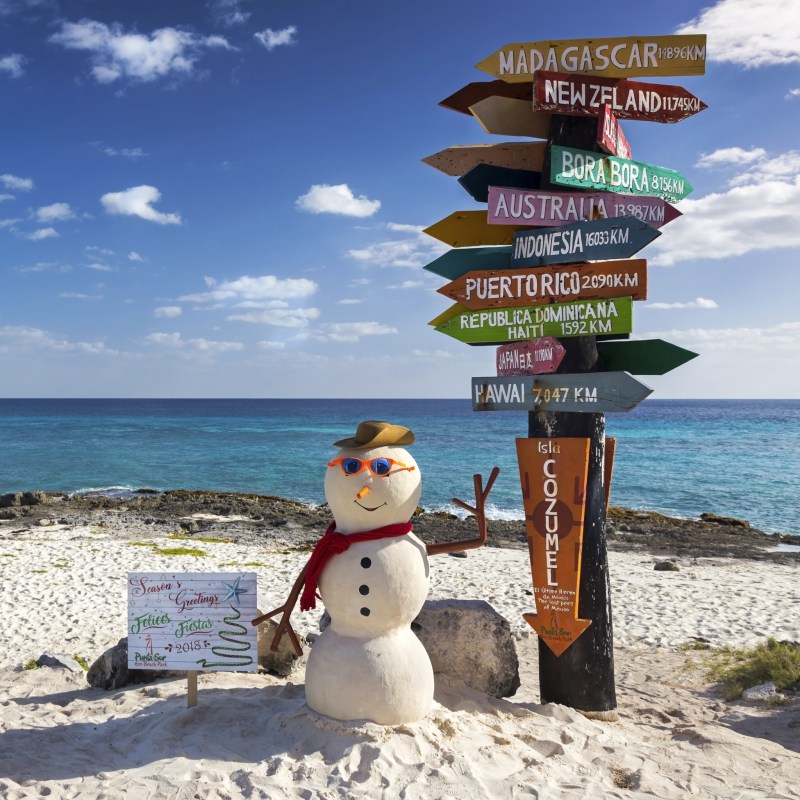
{"x":284,"y":626}
{"x":478,"y":511}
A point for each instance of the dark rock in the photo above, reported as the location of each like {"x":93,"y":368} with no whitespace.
{"x":110,"y":670}
{"x":282,"y":661}
{"x":60,"y":661}
{"x":8,"y":500}
{"x":666,"y":566}
{"x":458,"y":554}
{"x":32,"y":498}
{"x":731,"y":521}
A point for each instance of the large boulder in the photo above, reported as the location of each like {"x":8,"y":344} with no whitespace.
{"x":110,"y":670}
{"x":469,"y":640}
{"x":282,"y":661}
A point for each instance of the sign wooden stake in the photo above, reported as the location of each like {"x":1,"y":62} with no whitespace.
{"x":191,"y":697}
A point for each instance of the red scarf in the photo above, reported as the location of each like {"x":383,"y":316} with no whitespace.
{"x":333,"y":543}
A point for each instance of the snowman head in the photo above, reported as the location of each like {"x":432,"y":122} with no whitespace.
{"x":372,"y":481}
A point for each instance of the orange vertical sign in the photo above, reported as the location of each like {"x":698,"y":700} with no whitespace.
{"x":553,"y":475}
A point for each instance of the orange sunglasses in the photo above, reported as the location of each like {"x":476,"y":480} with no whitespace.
{"x":380,"y":467}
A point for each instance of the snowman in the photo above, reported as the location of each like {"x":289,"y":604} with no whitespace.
{"x":372,"y":574}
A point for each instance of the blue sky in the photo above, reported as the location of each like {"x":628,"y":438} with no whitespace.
{"x":225,"y":198}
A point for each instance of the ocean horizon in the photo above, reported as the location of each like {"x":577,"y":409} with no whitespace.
{"x":737,"y":458}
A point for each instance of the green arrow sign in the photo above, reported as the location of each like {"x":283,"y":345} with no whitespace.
{"x":589,"y":392}
{"x":643,"y":356}
{"x":587,"y":170}
{"x":500,"y":325}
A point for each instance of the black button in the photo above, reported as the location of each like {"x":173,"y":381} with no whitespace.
{"x":365,"y":612}
{"x":366,"y":562}
{"x":364,"y":589}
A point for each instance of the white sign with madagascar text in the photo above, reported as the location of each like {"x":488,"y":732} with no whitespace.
{"x":192,"y":621}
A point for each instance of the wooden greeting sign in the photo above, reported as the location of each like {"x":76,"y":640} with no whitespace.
{"x":553,"y":475}
{"x":192,"y":621}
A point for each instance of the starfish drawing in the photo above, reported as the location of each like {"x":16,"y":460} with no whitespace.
{"x":234,"y":590}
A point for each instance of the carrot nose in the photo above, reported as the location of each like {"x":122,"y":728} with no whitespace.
{"x":363,"y":492}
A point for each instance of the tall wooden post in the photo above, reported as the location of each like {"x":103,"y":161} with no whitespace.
{"x":583,"y":676}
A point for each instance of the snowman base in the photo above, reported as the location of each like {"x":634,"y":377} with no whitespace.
{"x":386,"y":679}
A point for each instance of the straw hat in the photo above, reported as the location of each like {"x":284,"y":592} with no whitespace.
{"x":373,"y":433}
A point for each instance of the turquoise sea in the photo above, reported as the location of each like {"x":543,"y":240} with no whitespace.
{"x":732,"y":457}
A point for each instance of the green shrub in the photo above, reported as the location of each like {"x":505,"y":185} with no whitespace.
{"x":735,"y":670}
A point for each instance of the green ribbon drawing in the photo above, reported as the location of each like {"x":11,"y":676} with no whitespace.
{"x":229,"y":651}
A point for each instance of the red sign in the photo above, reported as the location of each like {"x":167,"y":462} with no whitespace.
{"x":553,"y":474}
{"x":585,"y":95}
{"x":534,"y":357}
{"x":609,"y":134}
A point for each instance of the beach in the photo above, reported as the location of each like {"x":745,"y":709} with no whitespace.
{"x":64,"y":564}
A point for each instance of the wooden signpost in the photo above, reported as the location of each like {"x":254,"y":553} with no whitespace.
{"x":455,"y":263}
{"x":589,"y":393}
{"x":498,"y":326}
{"x":623,"y":57}
{"x":193,"y":622}
{"x":478,"y":180}
{"x":476,"y":91}
{"x":643,"y":356}
{"x":470,"y":229}
{"x":555,"y":284}
{"x":506,"y":116}
{"x":588,"y":170}
{"x":585,"y":96}
{"x":533,"y":357}
{"x":461,"y":158}
{"x":610,"y":136}
{"x":533,"y":208}
{"x":595,"y":240}
{"x":553,"y":474}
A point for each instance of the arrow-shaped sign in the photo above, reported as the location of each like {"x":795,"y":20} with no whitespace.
{"x":585,"y":95}
{"x":585,"y":392}
{"x":623,"y":57}
{"x":478,"y":180}
{"x":588,"y":170}
{"x":534,"y":208}
{"x":610,"y":136}
{"x":521,"y":287}
{"x":461,"y":158}
{"x":594,"y":240}
{"x":505,"y":116}
{"x":455,"y":263}
{"x":501,"y":325}
{"x":474,"y":92}
{"x":553,"y":474}
{"x":643,"y":356}
{"x":535,"y":357}
{"x":470,"y":229}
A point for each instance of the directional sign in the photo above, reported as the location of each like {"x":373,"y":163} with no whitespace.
{"x":585,"y":95}
{"x":470,"y":229}
{"x":504,"y":288}
{"x":535,"y":208}
{"x":553,"y":473}
{"x":506,"y":116}
{"x":455,"y":263}
{"x":474,"y":92}
{"x":587,"y":392}
{"x":478,"y":180}
{"x":461,"y":158}
{"x":501,"y":325}
{"x":624,"y":57}
{"x":530,"y":358}
{"x":584,"y":169}
{"x":609,"y":134}
{"x":643,"y":356}
{"x":594,"y":240}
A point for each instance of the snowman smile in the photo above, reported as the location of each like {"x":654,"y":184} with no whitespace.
{"x":367,"y":508}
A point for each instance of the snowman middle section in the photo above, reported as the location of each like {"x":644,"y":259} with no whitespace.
{"x":368,"y":663}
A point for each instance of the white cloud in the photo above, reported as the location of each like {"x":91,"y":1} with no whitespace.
{"x":22,"y":337}
{"x":348,"y":301}
{"x":751,"y":33}
{"x":229,"y":12}
{"x":168,"y":312}
{"x":13,"y":182}
{"x":736,"y":156}
{"x":80,"y":296}
{"x":174,"y":341}
{"x":54,"y":212}
{"x":406,"y":285}
{"x":134,"y":256}
{"x":415,"y":251}
{"x":137,"y":202}
{"x":116,"y":54}
{"x":268,"y":345}
{"x":354,"y":331}
{"x":12,"y":64}
{"x":278,"y":313}
{"x":323,"y":198}
{"x":99,"y":266}
{"x":125,"y":152}
{"x":783,"y":336}
{"x":8,"y":223}
{"x":4,"y":197}
{"x":103,"y":251}
{"x":700,"y":302}
{"x":272,"y":39}
{"x":42,"y":233}
{"x":791,"y":94}
{"x":247,"y":288}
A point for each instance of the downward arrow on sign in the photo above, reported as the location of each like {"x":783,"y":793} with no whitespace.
{"x":553,"y":475}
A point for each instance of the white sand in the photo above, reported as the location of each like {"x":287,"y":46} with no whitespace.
{"x":251,"y":736}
